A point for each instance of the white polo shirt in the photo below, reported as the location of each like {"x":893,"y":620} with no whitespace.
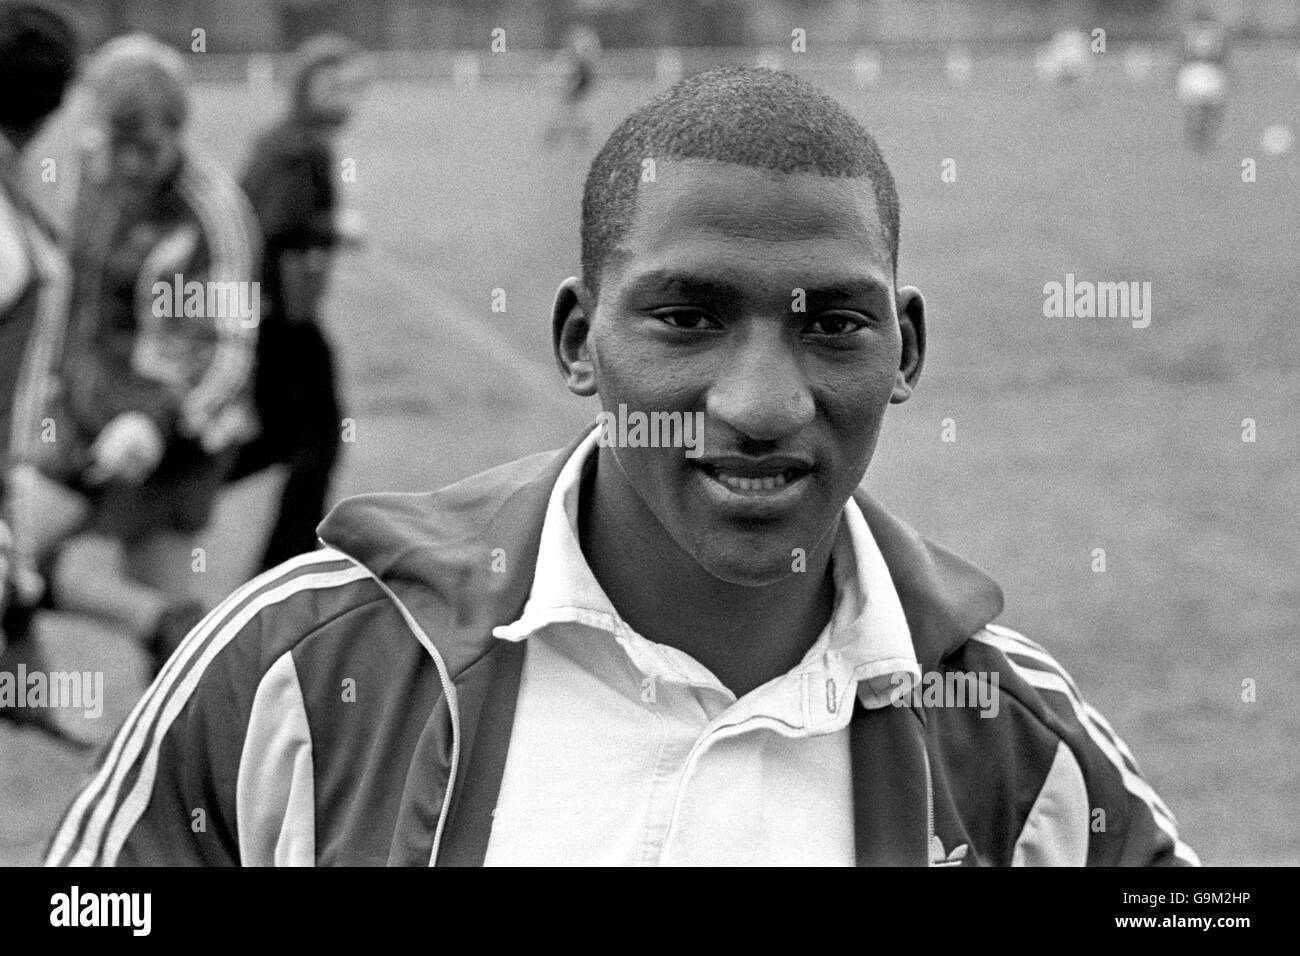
{"x":628,"y":752}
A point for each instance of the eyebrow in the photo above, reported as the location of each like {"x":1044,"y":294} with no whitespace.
{"x":684,"y":283}
{"x":835,"y":289}
{"x":848,"y":289}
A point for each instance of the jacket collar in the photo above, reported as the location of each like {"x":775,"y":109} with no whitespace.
{"x":462,"y":559}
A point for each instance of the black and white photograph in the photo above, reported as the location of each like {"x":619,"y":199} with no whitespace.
{"x":618,"y":433}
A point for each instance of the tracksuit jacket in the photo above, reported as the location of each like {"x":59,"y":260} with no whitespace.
{"x":353,"y":707}
{"x":131,"y":350}
{"x":34,"y":286}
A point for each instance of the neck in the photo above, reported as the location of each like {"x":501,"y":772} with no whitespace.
{"x":745,"y":635}
{"x":322,"y":127}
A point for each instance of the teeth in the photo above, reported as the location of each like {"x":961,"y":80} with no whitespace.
{"x":739,"y":483}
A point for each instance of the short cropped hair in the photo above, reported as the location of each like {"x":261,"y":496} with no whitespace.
{"x":760,"y":118}
{"x":38,"y":57}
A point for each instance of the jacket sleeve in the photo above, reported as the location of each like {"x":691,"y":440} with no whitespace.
{"x":162,"y":792}
{"x":230,"y":247}
{"x":1095,"y":796}
{"x":213,"y":766}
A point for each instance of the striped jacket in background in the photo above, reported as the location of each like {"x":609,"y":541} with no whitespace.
{"x":189,"y":373}
{"x":353,"y":707}
{"x":34,"y":287}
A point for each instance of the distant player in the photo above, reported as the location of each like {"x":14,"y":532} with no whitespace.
{"x":290,"y":180}
{"x":1202,"y":78}
{"x":37,"y":61}
{"x":577,"y":62}
{"x":151,"y":403}
{"x":1066,"y":63}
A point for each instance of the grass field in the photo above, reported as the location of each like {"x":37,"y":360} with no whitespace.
{"x":1072,"y":434}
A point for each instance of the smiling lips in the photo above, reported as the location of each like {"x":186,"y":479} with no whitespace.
{"x":755,"y":476}
{"x":752,"y":484}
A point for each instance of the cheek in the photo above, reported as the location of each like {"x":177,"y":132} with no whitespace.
{"x":854,"y":396}
{"x":635,"y":371}
{"x":864,"y":382}
{"x":614,"y":365}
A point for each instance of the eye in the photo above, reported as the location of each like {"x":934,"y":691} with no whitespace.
{"x":690,"y":320}
{"x":836,"y":323}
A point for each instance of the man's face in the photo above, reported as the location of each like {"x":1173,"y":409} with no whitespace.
{"x":764,"y":301}
{"x":143,"y":146}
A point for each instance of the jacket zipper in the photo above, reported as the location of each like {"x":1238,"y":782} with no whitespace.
{"x":448,"y":692}
{"x":929,"y":811}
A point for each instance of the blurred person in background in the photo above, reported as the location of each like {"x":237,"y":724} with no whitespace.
{"x":1065,"y":63}
{"x":38,"y":53}
{"x":290,"y":182}
{"x":577,"y":65}
{"x":1201,"y":81}
{"x":152,"y":397}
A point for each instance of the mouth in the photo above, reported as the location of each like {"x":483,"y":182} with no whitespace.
{"x":754,"y":483}
{"x":755,"y":488}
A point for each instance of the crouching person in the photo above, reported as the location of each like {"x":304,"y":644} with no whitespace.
{"x":151,"y":399}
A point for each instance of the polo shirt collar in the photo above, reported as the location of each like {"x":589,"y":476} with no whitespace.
{"x":867,"y":635}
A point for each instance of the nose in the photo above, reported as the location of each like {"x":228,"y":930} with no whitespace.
{"x":762,"y":391}
{"x":131,"y":163}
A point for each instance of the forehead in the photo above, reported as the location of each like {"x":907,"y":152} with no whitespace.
{"x":713,"y":215}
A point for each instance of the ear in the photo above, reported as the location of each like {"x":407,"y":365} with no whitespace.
{"x":911,"y":323}
{"x":571,"y":317}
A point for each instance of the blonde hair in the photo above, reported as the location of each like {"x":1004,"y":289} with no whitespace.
{"x":139,"y":72}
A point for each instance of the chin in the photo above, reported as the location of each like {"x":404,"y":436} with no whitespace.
{"x":739,"y":562}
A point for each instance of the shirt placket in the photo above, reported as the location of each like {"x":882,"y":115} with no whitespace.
{"x":682,"y":712}
{"x":804,"y":704}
